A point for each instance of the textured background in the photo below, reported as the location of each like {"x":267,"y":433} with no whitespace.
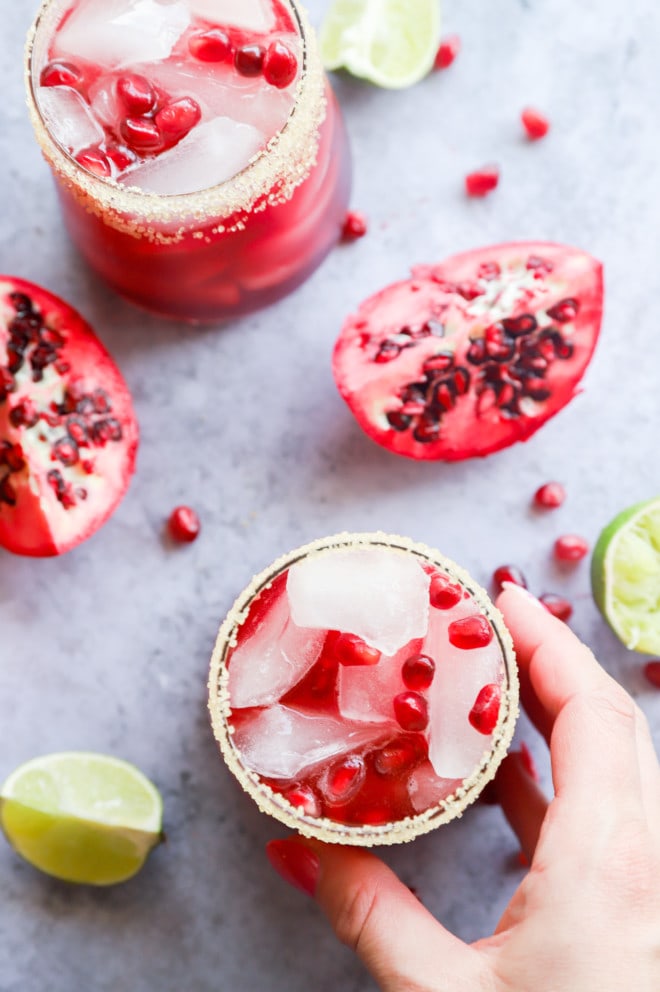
{"x":107,"y":648}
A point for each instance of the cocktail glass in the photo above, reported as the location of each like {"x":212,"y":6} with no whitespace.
{"x":228,"y":247}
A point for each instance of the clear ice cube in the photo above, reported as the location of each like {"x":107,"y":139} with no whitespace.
{"x":68,"y":118}
{"x":376,"y":593}
{"x":280,"y":742}
{"x":366,"y":692}
{"x":210,"y":154}
{"x":252,"y":15}
{"x":426,"y":789}
{"x":121,"y":32}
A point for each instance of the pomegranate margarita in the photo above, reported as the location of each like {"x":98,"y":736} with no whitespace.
{"x":199,"y":155}
{"x":363,"y":689}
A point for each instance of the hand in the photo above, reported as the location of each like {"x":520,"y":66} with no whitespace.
{"x":586,"y":917}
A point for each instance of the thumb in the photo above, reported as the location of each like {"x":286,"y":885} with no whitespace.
{"x":377,"y":916}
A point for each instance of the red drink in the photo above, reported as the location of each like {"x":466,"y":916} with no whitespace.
{"x":363,"y":689}
{"x":200,"y":157}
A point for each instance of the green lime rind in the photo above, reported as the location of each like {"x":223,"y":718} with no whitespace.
{"x":391,"y":43}
{"x":625,"y":576}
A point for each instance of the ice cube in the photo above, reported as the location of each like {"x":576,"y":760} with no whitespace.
{"x":280,"y":742}
{"x":455,"y":747}
{"x":376,"y":593}
{"x":121,"y":32}
{"x":252,"y":15}
{"x":366,"y":692}
{"x":426,"y":789}
{"x":69,"y":118}
{"x":210,"y":154}
{"x":104,"y":100}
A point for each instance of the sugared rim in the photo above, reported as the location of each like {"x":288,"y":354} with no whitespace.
{"x":272,"y":174}
{"x":323,"y":828}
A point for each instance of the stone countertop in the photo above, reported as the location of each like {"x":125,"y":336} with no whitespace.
{"x":107,"y":648}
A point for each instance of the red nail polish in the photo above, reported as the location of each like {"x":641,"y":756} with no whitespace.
{"x":296,"y":863}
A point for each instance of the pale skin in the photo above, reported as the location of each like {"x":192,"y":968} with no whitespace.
{"x":586,"y":916}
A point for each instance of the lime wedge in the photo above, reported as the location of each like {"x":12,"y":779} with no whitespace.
{"x":81,"y":817}
{"x":625,"y":576}
{"x":392,"y":43}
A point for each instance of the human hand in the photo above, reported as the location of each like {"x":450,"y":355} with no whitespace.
{"x":586,"y":917}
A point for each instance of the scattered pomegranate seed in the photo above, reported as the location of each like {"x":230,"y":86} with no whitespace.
{"x":482,"y":181}
{"x":528,"y":763}
{"x":411,"y":711}
{"x":444,"y":593}
{"x":141,"y":134}
{"x":136,"y":93}
{"x":249,"y":60}
{"x":483,"y":715}
{"x":304,"y":797}
{"x":535,"y":123}
{"x":60,"y":74}
{"x":184,"y":525}
{"x":94,"y":161}
{"x":470,"y":633}
{"x":355,"y":226}
{"x":352,"y":650}
{"x":550,"y":496}
{"x":508,"y":573}
{"x":344,"y":779}
{"x":523,"y":860}
{"x":652,"y":672}
{"x":447,"y":51}
{"x":177,"y":119}
{"x":417,"y":671}
{"x":399,"y":756}
{"x":571,"y":547}
{"x":280,"y":65}
{"x":210,"y":46}
{"x":557,"y":605}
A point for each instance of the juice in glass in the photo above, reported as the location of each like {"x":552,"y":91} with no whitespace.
{"x":199,"y":154}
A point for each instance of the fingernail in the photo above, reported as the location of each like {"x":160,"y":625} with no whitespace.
{"x":296,"y":863}
{"x":521,"y":591}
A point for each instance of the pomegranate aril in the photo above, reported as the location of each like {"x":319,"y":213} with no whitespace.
{"x":304,"y":797}
{"x":508,"y":573}
{"x":7,"y":492}
{"x":177,"y":119}
{"x":343,"y":780}
{"x":121,"y":157}
{"x":136,"y":94}
{"x":447,"y":52}
{"x":482,"y":181}
{"x":652,"y":672}
{"x":483,"y":715}
{"x":417,"y":672}
{"x":141,"y":134}
{"x":571,"y":547}
{"x":557,"y":605}
{"x":352,"y":650}
{"x":280,"y":65}
{"x":213,"y":45}
{"x":60,"y":74}
{"x":550,"y":496}
{"x":24,"y":414}
{"x":411,"y":711}
{"x":65,"y":451}
{"x":443,"y":593}
{"x":400,"y":756}
{"x":249,"y":60}
{"x":355,"y":226}
{"x":470,"y":633}
{"x":535,"y":123}
{"x":184,"y":525}
{"x":565,"y":311}
{"x":94,"y":161}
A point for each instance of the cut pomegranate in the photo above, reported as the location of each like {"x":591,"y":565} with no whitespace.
{"x":535,"y":123}
{"x":571,"y":547}
{"x":213,"y":45}
{"x":557,"y":605}
{"x":61,"y":74}
{"x":68,"y":434}
{"x":249,"y":60}
{"x":470,"y":633}
{"x":508,"y":573}
{"x":411,"y":711}
{"x":136,"y":94}
{"x":472,"y":354}
{"x":483,"y":715}
{"x":184,"y":525}
{"x":652,"y":672}
{"x":550,"y":496}
{"x":417,"y":672}
{"x":280,"y":65}
{"x":482,"y":181}
{"x":447,"y":52}
{"x":355,"y":226}
{"x":352,"y":650}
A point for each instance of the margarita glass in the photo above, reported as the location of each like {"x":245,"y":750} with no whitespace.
{"x":199,"y":155}
{"x":363,"y":689}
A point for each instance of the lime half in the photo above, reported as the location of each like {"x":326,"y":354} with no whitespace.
{"x":391,"y":43}
{"x":81,"y":817}
{"x":625,"y":576}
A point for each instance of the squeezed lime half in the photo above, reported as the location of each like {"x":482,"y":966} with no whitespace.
{"x":392,"y":43}
{"x":81,"y":817}
{"x":625,"y":576}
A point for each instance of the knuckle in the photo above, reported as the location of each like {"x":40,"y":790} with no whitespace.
{"x":611,"y":705}
{"x":357,"y":914}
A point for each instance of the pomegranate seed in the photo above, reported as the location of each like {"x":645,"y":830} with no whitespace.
{"x":482,"y":181}
{"x":652,"y":672}
{"x":94,"y":161}
{"x":141,"y":134}
{"x":508,"y":573}
{"x":447,"y":51}
{"x":280,"y":65}
{"x":304,"y":797}
{"x":528,"y":763}
{"x":571,"y":547}
{"x":557,"y":605}
{"x":417,"y":671}
{"x":523,"y":860}
{"x":399,"y":756}
{"x":211,"y":46}
{"x":249,"y":60}
{"x":137,"y":94}
{"x":344,"y":779}
{"x":483,"y":715}
{"x":184,"y":525}
{"x":550,"y":496}
{"x":411,"y":711}
{"x":444,"y":593}
{"x":535,"y":123}
{"x":355,"y":226}
{"x":352,"y":650}
{"x":60,"y":74}
{"x":471,"y":632}
{"x":565,"y":311}
{"x":177,"y":119}
{"x":121,"y":156}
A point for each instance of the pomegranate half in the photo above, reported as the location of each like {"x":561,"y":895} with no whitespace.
{"x":68,"y":433}
{"x":472,"y":354}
